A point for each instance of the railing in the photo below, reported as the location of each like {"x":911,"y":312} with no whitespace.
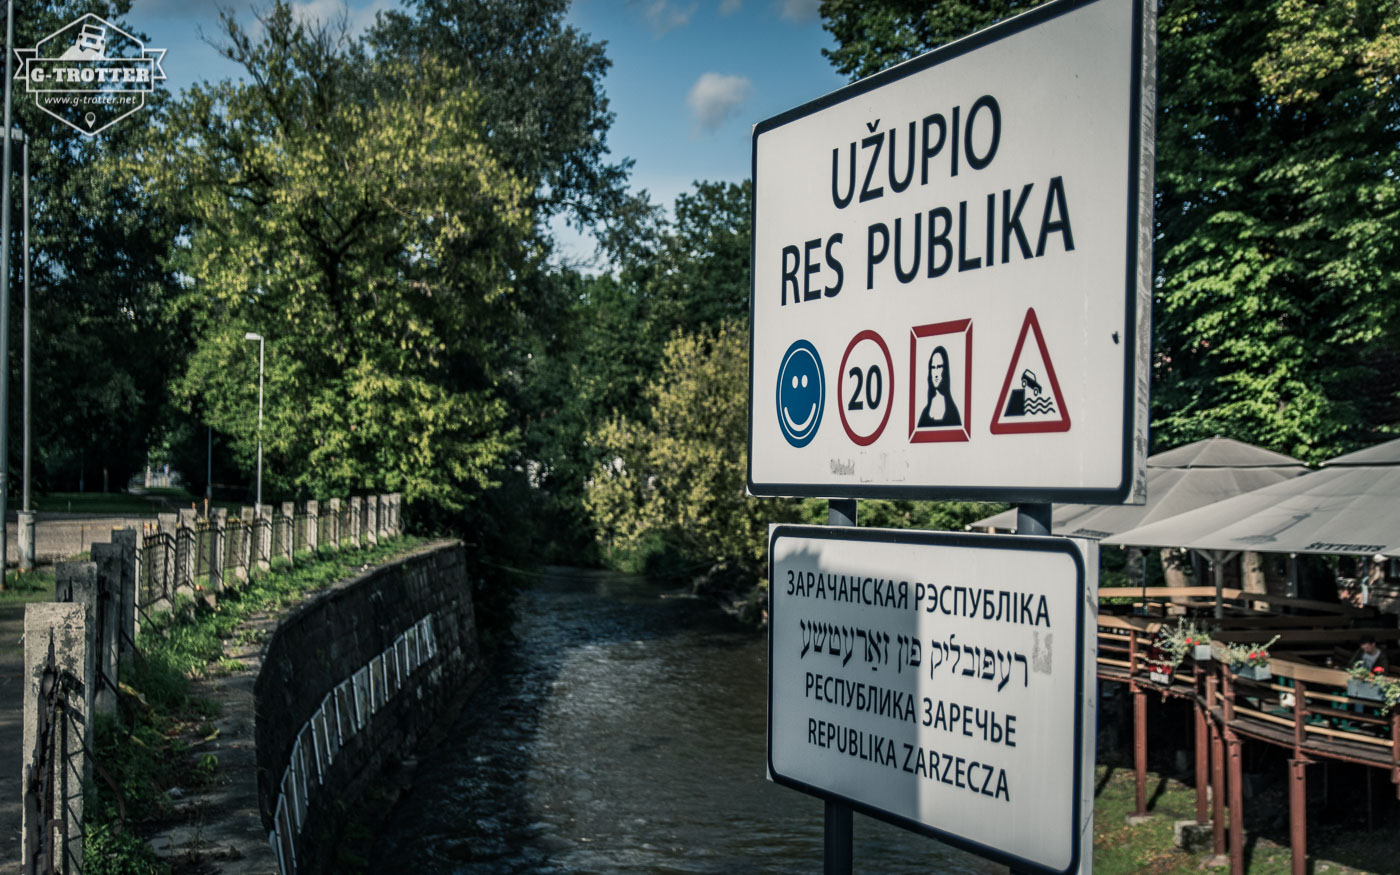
{"x":195,"y":558}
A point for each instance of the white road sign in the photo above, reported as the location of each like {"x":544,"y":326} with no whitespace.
{"x":951,"y":266}
{"x":943,"y":682}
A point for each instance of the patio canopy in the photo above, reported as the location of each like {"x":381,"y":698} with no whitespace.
{"x":1178,"y":480}
{"x":1351,"y":505}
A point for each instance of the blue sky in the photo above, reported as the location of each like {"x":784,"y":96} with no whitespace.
{"x":689,"y":78}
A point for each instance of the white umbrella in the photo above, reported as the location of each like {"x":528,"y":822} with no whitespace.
{"x":1352,"y":505}
{"x":1178,"y":480}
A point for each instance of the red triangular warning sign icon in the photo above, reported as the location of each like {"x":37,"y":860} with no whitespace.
{"x":1031,"y":401}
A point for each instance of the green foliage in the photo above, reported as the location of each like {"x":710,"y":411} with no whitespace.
{"x":103,"y":331}
{"x":540,"y":83}
{"x":943,"y":516}
{"x":348,"y":209}
{"x":682,"y":476}
{"x":681,"y":275}
{"x":1278,"y":208}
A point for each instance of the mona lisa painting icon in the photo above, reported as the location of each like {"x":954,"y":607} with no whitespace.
{"x":940,"y":382}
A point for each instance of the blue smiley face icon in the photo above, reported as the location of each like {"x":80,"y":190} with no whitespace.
{"x":801,"y":393}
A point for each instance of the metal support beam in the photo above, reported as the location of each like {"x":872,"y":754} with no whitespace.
{"x":1202,"y":758}
{"x":838,"y":831}
{"x":1298,"y":813}
{"x":1140,"y":749}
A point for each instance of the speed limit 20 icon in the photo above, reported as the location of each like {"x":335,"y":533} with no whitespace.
{"x":865,"y":388}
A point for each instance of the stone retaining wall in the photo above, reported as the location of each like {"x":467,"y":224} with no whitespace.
{"x":350,"y":679}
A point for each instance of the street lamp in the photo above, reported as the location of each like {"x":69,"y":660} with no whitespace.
{"x":5,"y":168}
{"x":26,"y":515}
{"x":251,"y":335}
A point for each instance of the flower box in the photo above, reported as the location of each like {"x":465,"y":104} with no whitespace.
{"x":1201,"y":652}
{"x":1358,"y":689}
{"x":1255,"y":672}
{"x":1159,"y":677}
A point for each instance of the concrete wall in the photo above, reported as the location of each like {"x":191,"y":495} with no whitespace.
{"x":352,"y":678}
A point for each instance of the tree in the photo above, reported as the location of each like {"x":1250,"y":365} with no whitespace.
{"x":679,"y":480}
{"x":105,"y":339}
{"x":350,"y":210}
{"x":687,"y":274}
{"x":1278,"y":246}
{"x":540,"y":84}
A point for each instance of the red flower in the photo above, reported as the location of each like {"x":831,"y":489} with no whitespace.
{"x":1378,"y":670}
{"x":1190,"y":641}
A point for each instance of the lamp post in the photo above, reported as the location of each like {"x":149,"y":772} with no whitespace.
{"x":251,"y":335}
{"x":5,"y":170}
{"x":26,"y":514}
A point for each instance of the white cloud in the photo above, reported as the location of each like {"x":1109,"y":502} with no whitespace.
{"x":664,"y":15}
{"x":714,"y":98}
{"x":799,"y":11}
{"x":331,"y":11}
{"x":729,"y":7}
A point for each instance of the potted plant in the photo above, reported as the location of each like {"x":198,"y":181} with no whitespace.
{"x":1250,"y":661}
{"x":1375,"y":684}
{"x":1169,"y":648}
{"x":1187,"y":637}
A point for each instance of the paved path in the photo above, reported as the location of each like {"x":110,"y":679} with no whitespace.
{"x":58,"y":536}
{"x":11,"y":668}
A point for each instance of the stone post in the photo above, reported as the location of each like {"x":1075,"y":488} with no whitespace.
{"x":129,"y":542}
{"x":263,"y":527}
{"x":372,"y":519}
{"x":334,"y":519}
{"x":218,"y":546}
{"x":186,"y":543}
{"x":76,"y":583}
{"x":106,"y":626}
{"x":313,"y":526}
{"x":60,"y":629}
{"x":289,"y":530}
{"x":398,"y":514}
{"x":355,"y":512}
{"x":248,"y":526}
{"x":168,"y":524}
{"x":381,"y":519}
{"x":26,"y":540}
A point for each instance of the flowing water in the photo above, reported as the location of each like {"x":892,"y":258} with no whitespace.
{"x":623,"y":731}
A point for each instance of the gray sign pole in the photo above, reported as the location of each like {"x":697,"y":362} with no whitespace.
{"x":1032,"y":519}
{"x":838,"y":830}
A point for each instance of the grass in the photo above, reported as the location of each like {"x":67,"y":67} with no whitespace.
{"x":149,"y":749}
{"x":28,"y":586}
{"x":1120,"y":847}
{"x":123,"y":503}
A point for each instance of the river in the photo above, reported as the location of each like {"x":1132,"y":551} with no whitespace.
{"x":623,"y":731}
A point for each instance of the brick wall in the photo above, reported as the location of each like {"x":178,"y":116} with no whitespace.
{"x":351,"y":678}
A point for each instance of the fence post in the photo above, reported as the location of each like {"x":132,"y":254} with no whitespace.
{"x":129,"y":542}
{"x":355,"y":515}
{"x":381,"y":517}
{"x":313,"y":526}
{"x":245,"y":544}
{"x":218,"y":544}
{"x":335,"y":530}
{"x":55,"y":761}
{"x":289,"y":537}
{"x":372,"y":519}
{"x":185,"y":545}
{"x":107,"y":558}
{"x":264,"y":535}
{"x":169,"y":526}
